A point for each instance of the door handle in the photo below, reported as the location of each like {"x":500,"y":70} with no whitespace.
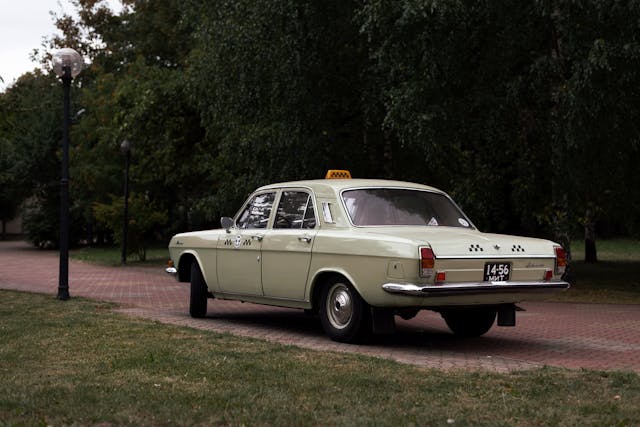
{"x":305,"y":239}
{"x":257,"y":237}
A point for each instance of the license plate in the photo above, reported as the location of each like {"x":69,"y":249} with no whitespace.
{"x":497,"y":271}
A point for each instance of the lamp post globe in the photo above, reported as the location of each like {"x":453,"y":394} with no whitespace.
{"x":125,"y":146}
{"x":67,"y":60}
{"x":67,"y":64}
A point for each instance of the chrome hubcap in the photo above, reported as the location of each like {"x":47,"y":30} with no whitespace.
{"x":339,"y":306}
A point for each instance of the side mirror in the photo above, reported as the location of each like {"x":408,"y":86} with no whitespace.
{"x":227,"y":223}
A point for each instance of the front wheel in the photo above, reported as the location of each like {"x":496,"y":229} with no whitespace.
{"x":199,"y":293}
{"x":469,"y":322}
{"x":345,"y":316}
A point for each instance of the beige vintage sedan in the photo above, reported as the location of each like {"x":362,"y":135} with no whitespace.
{"x":359,"y":251}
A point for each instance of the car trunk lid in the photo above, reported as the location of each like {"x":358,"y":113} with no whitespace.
{"x":454,"y":242}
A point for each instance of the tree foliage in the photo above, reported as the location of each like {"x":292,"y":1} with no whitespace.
{"x":278,"y":87}
{"x":526,"y":112}
{"x":144,"y":221}
{"x":30,"y":131}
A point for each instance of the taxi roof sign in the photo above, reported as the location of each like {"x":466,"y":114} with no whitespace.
{"x":338,"y":174}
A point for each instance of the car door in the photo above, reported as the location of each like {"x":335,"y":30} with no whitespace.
{"x":239,"y":252}
{"x":286,"y":249}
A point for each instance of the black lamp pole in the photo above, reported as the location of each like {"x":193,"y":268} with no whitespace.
{"x":67,"y":64}
{"x":63,"y":282}
{"x":125,"y":147}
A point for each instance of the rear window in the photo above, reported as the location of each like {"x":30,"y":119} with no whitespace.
{"x":391,"y":206}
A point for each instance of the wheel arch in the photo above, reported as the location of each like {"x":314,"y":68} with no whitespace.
{"x":320,"y":280}
{"x":184,"y":265}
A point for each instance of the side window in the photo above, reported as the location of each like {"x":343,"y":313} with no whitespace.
{"x":309,"y":216}
{"x":295,"y":210}
{"x":256,"y":213}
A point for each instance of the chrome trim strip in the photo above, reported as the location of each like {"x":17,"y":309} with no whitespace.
{"x":261,"y":299}
{"x":470,"y":288}
{"x":489,"y":257}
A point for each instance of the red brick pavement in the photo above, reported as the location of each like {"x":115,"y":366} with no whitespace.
{"x":593,"y":336}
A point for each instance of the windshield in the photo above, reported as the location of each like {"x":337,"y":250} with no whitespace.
{"x":395,"y":206}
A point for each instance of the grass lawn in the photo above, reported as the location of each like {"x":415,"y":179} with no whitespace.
{"x":615,"y":278}
{"x":80,"y":363}
{"x":156,"y":256}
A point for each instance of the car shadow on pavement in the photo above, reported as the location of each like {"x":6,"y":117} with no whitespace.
{"x":273,"y":321}
{"x":418,"y":335}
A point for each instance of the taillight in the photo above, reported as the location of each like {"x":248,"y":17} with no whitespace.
{"x":548,"y":275}
{"x":561,"y":259}
{"x":427,"y":262}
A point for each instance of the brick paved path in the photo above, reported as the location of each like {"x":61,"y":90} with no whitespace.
{"x":594,"y":336}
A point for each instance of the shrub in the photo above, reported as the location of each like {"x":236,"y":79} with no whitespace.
{"x":144,"y":220}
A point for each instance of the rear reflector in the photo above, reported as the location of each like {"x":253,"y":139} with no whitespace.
{"x":441,"y":277}
{"x":548,"y":275}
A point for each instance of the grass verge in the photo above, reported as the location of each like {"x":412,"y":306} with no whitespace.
{"x":111,"y":256}
{"x":613,"y":279}
{"x":80,"y":363}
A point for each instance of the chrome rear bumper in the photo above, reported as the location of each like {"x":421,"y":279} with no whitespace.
{"x":479,"y":288}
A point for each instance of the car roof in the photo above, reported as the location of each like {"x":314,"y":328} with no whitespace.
{"x":330,"y":187}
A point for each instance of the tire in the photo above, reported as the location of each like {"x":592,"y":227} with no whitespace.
{"x":469,"y":322}
{"x":199,"y":293}
{"x":345,"y":316}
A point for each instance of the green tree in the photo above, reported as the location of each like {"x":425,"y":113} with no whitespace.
{"x":11,"y":194}
{"x":278,"y":85}
{"x":32,"y":125}
{"x":526,"y":113}
{"x":135,"y":90}
{"x":596,"y":54}
{"x":145,"y":220}
{"x":459,"y":103}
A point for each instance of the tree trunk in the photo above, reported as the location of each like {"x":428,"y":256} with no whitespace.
{"x":561,"y":224}
{"x":559,"y":188}
{"x":185,"y":218}
{"x":90,"y":230}
{"x":590,"y":253}
{"x":387,"y":154}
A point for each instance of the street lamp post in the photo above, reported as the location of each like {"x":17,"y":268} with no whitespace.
{"x":67,"y":64}
{"x":125,"y":147}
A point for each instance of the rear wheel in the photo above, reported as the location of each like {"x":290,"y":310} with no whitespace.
{"x":469,"y":322}
{"x":199,"y":293}
{"x":345,"y":316}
